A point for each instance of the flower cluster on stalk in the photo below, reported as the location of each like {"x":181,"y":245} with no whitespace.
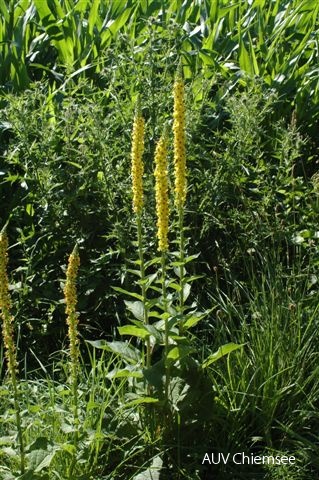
{"x":70,"y":295}
{"x":5,"y":306}
{"x":161,"y":193}
{"x":179,"y":141}
{"x":137,"y":168}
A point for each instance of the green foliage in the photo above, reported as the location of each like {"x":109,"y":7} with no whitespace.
{"x":251,"y":184}
{"x":252,"y":111}
{"x":272,"y":40}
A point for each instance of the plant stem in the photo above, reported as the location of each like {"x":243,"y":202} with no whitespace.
{"x":75,"y":418}
{"x":164,"y":295}
{"x":181,"y":267}
{"x":143,"y":285}
{"x":18,"y":420}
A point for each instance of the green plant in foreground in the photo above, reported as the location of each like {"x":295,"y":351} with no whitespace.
{"x":8,"y":339}
{"x":161,"y":318}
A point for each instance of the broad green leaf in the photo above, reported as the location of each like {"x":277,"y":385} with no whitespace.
{"x":178,"y":352}
{"x":153,"y":472}
{"x":40,"y":443}
{"x":140,"y":401}
{"x":129,"y":371}
{"x":244,"y":59}
{"x":155,"y":374}
{"x":4,"y":10}
{"x":253,"y":56}
{"x":46,"y":462}
{"x":124,"y":349}
{"x":127,"y":292}
{"x":155,"y":260}
{"x":221,"y":352}
{"x":129,"y":353}
{"x":193,"y":320}
{"x":133,"y":331}
{"x":93,"y":16}
{"x":136,"y":308}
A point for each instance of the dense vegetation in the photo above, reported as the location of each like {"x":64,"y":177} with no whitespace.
{"x":214,"y":349}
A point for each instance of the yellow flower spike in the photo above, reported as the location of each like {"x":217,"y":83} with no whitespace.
{"x":179,"y":140}
{"x":71,"y":303}
{"x":161,"y":193}
{"x":137,"y":167}
{"x":5,"y":305}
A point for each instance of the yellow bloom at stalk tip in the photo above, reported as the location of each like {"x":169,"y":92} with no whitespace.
{"x":137,"y":167}
{"x":179,"y":141}
{"x":5,"y":306}
{"x":161,"y":193}
{"x":70,"y":295}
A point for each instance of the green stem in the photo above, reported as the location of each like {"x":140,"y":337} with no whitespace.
{"x":182,"y":266}
{"x":164,"y":295}
{"x":18,"y":420}
{"x":143,"y":285}
{"x":74,"y":374}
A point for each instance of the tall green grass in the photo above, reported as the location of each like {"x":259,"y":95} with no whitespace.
{"x":268,"y":392}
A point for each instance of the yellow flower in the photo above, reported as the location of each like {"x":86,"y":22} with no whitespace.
{"x":161,"y":193}
{"x":5,"y":305}
{"x":71,"y":303}
{"x":179,"y":142}
{"x":137,"y":168}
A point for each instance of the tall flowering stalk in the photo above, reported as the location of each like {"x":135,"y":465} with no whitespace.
{"x":162,"y":211}
{"x":161,"y":193}
{"x":137,"y":167}
{"x":70,"y":295}
{"x":137,"y":170}
{"x":8,"y":339}
{"x":180,"y":174}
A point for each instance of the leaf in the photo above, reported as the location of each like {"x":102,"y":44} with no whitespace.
{"x":186,"y":291}
{"x":41,"y":443}
{"x":221,"y":352}
{"x":134,"y":331}
{"x":74,"y":164}
{"x":244,"y":59}
{"x":100,"y":344}
{"x":153,"y":261}
{"x":178,"y":352}
{"x":46,"y":462}
{"x":154,"y":374}
{"x":123,"y":349}
{"x":10,"y":452}
{"x":126,"y":292}
{"x":29,"y":475}
{"x":193,"y":320}
{"x":29,"y":209}
{"x":140,"y":401}
{"x":129,"y":371}
{"x":41,"y":454}
{"x":136,"y":308}
{"x":153,"y":472}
